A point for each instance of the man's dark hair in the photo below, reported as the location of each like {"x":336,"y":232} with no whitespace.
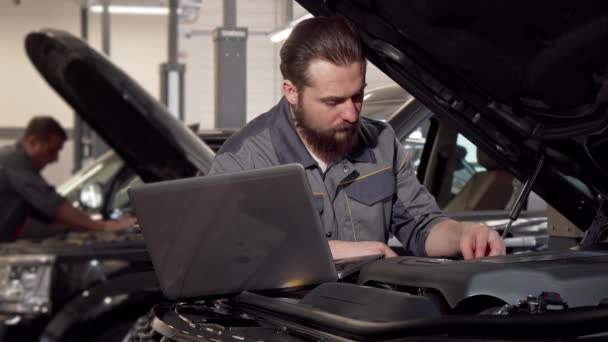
{"x":331,"y":39}
{"x":43,"y":128}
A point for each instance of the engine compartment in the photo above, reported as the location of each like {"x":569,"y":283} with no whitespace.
{"x":537,"y":295}
{"x":578,"y":277}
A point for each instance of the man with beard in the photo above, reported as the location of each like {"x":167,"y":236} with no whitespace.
{"x":361,"y":177}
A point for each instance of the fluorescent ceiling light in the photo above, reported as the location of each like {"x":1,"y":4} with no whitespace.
{"x":143,"y":10}
{"x":281,"y":35}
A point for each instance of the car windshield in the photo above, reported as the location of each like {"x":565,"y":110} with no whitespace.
{"x":381,"y":110}
{"x":102,"y":172}
{"x":384,"y":102}
{"x":111,"y":174}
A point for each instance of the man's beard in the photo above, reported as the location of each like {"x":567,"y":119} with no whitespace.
{"x":330,"y":144}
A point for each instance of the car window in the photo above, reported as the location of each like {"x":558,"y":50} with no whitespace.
{"x":119,"y":202}
{"x":415,"y":142}
{"x":466,"y":164}
{"x":381,"y":110}
{"x":384,"y":102}
{"x":475,"y":181}
{"x":456,"y":169}
{"x":102,"y":173}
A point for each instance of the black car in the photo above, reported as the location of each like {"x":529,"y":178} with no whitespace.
{"x":526,"y":83}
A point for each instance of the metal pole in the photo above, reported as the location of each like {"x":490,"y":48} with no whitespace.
{"x":230,"y":71}
{"x":84,"y":21}
{"x":98,"y":146}
{"x":172,"y":72}
{"x":229,"y":14}
{"x":105,"y":27}
{"x":173,"y":4}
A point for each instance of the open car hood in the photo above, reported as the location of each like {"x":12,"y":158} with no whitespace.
{"x":141,"y":130}
{"x":525,"y":81}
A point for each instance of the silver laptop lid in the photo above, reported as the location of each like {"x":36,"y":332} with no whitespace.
{"x":227,"y":233}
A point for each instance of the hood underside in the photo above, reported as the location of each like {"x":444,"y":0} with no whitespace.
{"x":523,"y":80}
{"x":153,"y":143}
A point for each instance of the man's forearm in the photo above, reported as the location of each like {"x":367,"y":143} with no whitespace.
{"x":348,"y":249}
{"x":444,"y":239}
{"x":67,"y":214}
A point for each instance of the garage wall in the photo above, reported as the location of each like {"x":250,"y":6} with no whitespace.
{"x":262,"y":62}
{"x":263,"y":75}
{"x":138,"y":45}
{"x":23,"y":90}
{"x":197,"y":52}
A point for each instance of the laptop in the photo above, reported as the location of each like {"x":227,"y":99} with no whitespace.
{"x":228,"y":233}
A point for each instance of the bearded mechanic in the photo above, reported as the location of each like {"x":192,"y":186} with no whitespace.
{"x":361,"y":177}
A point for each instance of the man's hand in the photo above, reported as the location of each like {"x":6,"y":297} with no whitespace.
{"x":120,"y":224}
{"x":473,"y":240}
{"x":477,"y":240}
{"x":74,"y":217}
{"x":347,"y":249}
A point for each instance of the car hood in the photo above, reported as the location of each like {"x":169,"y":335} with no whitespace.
{"x":141,"y":130}
{"x":525,"y":81}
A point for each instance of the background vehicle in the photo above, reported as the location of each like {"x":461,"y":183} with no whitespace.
{"x":81,"y":286}
{"x":101,"y":187}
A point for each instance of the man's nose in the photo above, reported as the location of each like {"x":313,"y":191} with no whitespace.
{"x":350,"y":111}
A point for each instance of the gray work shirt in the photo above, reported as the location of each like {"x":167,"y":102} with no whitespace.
{"x":23,"y":192}
{"x":366,"y":196}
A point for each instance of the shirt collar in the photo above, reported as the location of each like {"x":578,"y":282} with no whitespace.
{"x":21,"y":157}
{"x":286,"y":141}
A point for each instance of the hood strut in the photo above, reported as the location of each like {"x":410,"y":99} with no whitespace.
{"x":597,"y":231}
{"x":523,"y":195}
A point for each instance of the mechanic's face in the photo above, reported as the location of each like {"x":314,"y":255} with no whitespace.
{"x":326,"y":113}
{"x":41,"y":152}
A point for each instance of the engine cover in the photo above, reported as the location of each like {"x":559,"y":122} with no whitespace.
{"x":580,"y":277}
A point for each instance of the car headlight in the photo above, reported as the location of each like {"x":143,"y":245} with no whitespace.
{"x":25,"y":283}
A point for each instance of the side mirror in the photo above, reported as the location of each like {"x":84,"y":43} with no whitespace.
{"x":91,"y":196}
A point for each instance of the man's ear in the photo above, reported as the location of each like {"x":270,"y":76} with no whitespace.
{"x":30,"y":141}
{"x":31,"y":144}
{"x":290,"y":92}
